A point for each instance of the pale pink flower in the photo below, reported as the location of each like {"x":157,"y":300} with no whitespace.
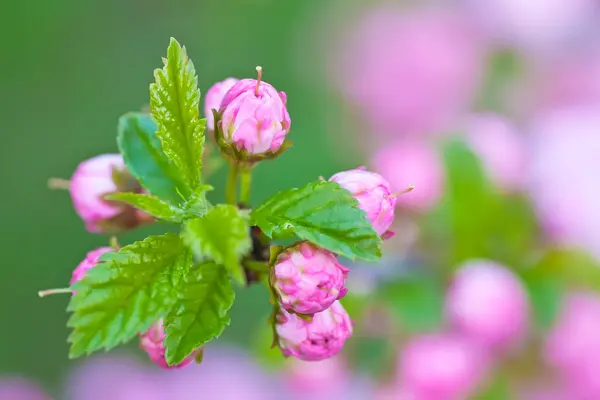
{"x":487,"y":303}
{"x":256,"y":123}
{"x":213,"y":98}
{"x":500,"y":148}
{"x":152,"y":342}
{"x":440,"y":367}
{"x":90,"y":261}
{"x":573,"y":344}
{"x":308,"y":279}
{"x":373,"y":193}
{"x":91,"y":180}
{"x":411,"y":72}
{"x":535,"y":25}
{"x":315,"y":340}
{"x":20,"y":389}
{"x":115,"y":377}
{"x":412,"y":162}
{"x":563,"y":175}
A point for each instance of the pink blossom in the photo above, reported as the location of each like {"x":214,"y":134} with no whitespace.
{"x":152,"y":342}
{"x":310,"y":379}
{"x":20,"y":389}
{"x":91,"y":260}
{"x":412,"y":162}
{"x":225,"y":374}
{"x":93,"y":179}
{"x":411,"y":72}
{"x":440,"y":367}
{"x":213,"y":98}
{"x":308,"y":279}
{"x":115,"y":377}
{"x":501,"y":149}
{"x":487,"y":303}
{"x":563,"y":178}
{"x":254,"y":121}
{"x":535,"y":24}
{"x":373,"y":193}
{"x":573,"y":344}
{"x":315,"y":340}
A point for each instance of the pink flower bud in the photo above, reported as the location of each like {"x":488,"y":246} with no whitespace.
{"x":573,"y":344}
{"x":321,"y":338}
{"x":90,"y":261}
{"x":373,"y":193}
{"x":500,"y":148}
{"x":412,"y":162}
{"x":308,"y":279}
{"x":213,"y":98}
{"x":95,"y":178}
{"x":488,"y":303}
{"x":20,"y":389}
{"x":152,"y":342}
{"x":440,"y":367}
{"x":254,"y":120}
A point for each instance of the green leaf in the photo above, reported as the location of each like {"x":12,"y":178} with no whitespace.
{"x":324,"y":214}
{"x":222,"y":235}
{"x":174,"y":101}
{"x":474,"y":219}
{"x":200,"y":314}
{"x":417,"y":302}
{"x":557,"y":271}
{"x":126,"y":293}
{"x":145,"y":159}
{"x":149,"y":204}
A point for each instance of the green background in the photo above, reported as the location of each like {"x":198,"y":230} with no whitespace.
{"x":70,"y":69}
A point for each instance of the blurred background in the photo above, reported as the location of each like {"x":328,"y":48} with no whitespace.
{"x":490,"y":108}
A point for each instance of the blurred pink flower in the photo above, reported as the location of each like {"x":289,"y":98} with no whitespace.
{"x":534,"y":24}
{"x":225,"y":374}
{"x":573,"y":345}
{"x":487,"y":303}
{"x":20,"y":389}
{"x":569,"y":80}
{"x":412,"y":162}
{"x":564,"y":171}
{"x":115,"y":377}
{"x":500,"y":147}
{"x":411,"y":72}
{"x":440,"y":367}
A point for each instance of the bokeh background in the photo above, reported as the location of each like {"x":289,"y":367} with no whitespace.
{"x":490,"y":108}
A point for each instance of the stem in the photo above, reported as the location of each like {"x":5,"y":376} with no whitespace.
{"x":59,"y":183}
{"x":259,"y":72}
{"x":245,"y":183}
{"x":256,"y":266}
{"x":230,"y":195}
{"x":48,"y":292}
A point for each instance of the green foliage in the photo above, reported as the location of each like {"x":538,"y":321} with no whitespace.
{"x":149,"y":204}
{"x":222,"y":235}
{"x":474,"y":220}
{"x":547,"y":279}
{"x":174,"y":100}
{"x":322,"y":213}
{"x":145,"y":159}
{"x":126,"y":293}
{"x":374,"y":355}
{"x":200,"y":313}
{"x":417,"y":302}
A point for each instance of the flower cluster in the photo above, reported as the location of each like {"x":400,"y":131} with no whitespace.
{"x":150,"y":288}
